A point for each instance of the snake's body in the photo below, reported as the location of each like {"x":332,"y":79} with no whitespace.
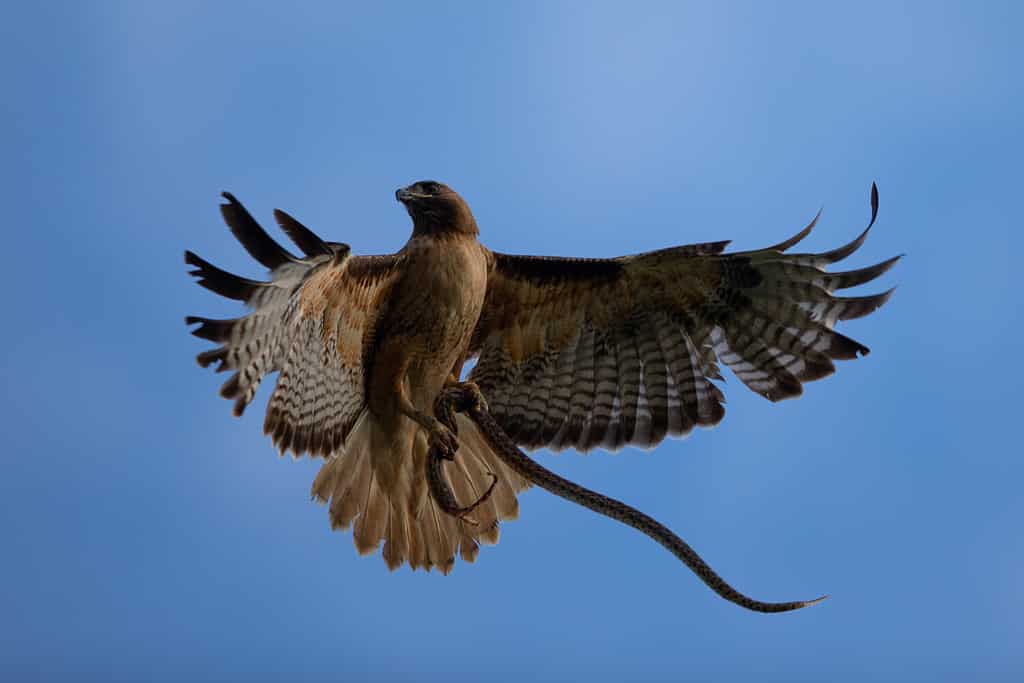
{"x":466,"y":398}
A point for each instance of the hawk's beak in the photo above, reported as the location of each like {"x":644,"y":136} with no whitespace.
{"x":403,"y":195}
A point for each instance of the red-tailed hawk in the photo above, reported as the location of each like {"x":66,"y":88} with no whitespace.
{"x":571,"y":353}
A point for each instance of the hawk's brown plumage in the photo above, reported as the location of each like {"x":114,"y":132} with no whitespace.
{"x":579,"y":353}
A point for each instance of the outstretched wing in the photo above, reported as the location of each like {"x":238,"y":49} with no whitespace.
{"x":308,"y":323}
{"x":582,"y":353}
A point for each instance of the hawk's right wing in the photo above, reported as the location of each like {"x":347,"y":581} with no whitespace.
{"x":309,"y":323}
{"x":586,"y":353}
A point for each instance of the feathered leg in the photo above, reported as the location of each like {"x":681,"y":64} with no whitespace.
{"x":439,"y":436}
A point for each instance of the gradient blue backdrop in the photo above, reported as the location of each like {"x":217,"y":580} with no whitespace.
{"x":147,"y":535}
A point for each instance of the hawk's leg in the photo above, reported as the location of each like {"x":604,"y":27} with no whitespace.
{"x":451,"y":400}
{"x":441,"y":438}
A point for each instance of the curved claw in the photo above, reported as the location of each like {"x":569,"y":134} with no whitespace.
{"x":464,"y":397}
{"x":443,"y":441}
{"x":473,"y":398}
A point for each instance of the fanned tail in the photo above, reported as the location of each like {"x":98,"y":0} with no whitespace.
{"x":376,"y":488}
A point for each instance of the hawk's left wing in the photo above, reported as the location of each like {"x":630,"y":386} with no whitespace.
{"x":581,"y":353}
{"x":309,"y":322}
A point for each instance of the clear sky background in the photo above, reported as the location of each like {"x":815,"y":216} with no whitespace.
{"x":148,"y":535}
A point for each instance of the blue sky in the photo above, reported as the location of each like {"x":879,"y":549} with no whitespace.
{"x":150,"y":536}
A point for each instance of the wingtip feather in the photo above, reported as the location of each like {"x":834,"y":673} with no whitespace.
{"x":874,"y":203}
{"x":799,"y":237}
{"x":305,"y":239}
{"x":254,"y":238}
{"x":860,"y":276}
{"x":860,"y":306}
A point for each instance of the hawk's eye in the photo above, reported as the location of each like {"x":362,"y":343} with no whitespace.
{"x":431,"y":188}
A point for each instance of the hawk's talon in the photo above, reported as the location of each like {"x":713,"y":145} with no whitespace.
{"x":443,"y":441}
{"x":464,"y":397}
{"x":472,"y":398}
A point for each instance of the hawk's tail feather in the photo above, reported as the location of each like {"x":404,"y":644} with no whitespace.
{"x":389,"y":504}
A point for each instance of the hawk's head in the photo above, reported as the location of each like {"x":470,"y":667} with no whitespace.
{"x":436,"y":208}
